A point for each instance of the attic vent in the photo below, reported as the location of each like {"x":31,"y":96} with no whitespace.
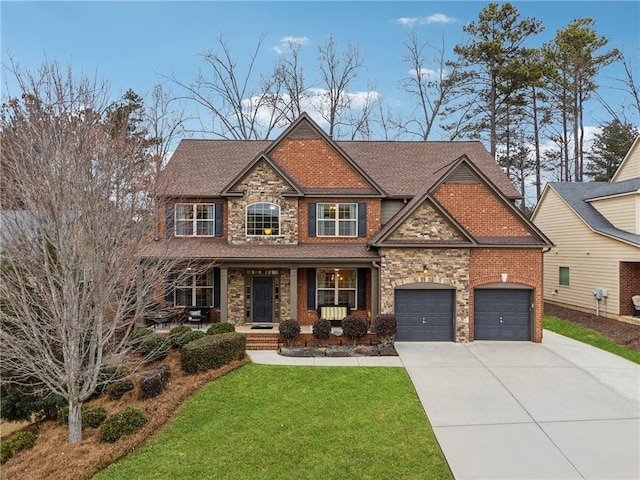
{"x":462,"y":174}
{"x":304,"y":130}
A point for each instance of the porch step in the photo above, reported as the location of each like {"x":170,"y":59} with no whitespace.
{"x":262,"y":341}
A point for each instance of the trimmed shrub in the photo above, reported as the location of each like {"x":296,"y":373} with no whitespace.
{"x":355,"y":327}
{"x":93,"y":417}
{"x":153,"y":347}
{"x":107,"y":376}
{"x":289,"y":329}
{"x":152,"y":383}
{"x":218,"y":328}
{"x":27,"y":402}
{"x":139,"y":335}
{"x":212,"y":351}
{"x":125,"y":422}
{"x":386,"y":325}
{"x":321,"y":329}
{"x":118,"y":388}
{"x":18,"y":442}
{"x":176,"y":333}
{"x":188,"y":337}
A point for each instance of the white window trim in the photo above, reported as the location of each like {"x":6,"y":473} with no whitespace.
{"x":336,"y":220}
{"x":194,"y":287}
{"x":246,"y":221}
{"x":194,"y":220}
{"x":336,"y":290}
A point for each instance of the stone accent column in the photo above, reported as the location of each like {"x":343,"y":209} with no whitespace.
{"x":375,"y":293}
{"x":293,"y":294}
{"x":224,"y":303}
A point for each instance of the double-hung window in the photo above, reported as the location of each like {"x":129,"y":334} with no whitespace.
{"x":337,"y":219}
{"x":263,"y":219}
{"x":194,"y":290}
{"x":337,"y":287}
{"x":195,"y":219}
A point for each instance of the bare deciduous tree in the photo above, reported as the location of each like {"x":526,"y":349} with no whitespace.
{"x":73,"y":285}
{"x":430,"y":88}
{"x":337,"y":72}
{"x":239,"y":104}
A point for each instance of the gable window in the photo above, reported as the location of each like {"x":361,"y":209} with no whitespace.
{"x":194,"y":290}
{"x":563,"y":275}
{"x":195,"y":219}
{"x":263,"y":219}
{"x":337,"y":219}
{"x":337,"y":287}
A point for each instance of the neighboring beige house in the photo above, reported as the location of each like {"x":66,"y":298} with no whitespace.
{"x":595,"y":226}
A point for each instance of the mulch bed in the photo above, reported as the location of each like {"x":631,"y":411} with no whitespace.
{"x":622,"y":333}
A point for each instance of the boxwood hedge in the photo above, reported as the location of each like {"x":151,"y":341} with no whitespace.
{"x":212,"y":351}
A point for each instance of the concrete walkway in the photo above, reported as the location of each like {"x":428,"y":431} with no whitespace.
{"x":519,"y":410}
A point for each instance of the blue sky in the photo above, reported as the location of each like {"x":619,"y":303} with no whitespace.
{"x":132,"y":44}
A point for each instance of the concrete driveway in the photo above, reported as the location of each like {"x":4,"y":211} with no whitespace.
{"x":519,"y":410}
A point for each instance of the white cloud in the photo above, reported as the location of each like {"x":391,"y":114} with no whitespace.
{"x":438,"y":18}
{"x":424,"y":72}
{"x":285,"y":41}
{"x":406,"y":21}
{"x":313,"y":104}
{"x":435,"y":18}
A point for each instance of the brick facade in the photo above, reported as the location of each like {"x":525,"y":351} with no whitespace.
{"x":479,"y":211}
{"x":629,"y":285}
{"x":313,"y":163}
{"x":522,"y":266}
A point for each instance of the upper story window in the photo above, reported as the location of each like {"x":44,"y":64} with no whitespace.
{"x":337,"y":219}
{"x":263,"y":219}
{"x":195,"y":219}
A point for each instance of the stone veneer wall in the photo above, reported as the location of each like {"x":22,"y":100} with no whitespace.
{"x":403,"y":266}
{"x":236,"y":289}
{"x":425,"y":224}
{"x":235,"y":296}
{"x":263,"y":184}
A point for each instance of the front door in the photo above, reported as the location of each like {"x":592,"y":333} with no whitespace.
{"x":262,"y":299}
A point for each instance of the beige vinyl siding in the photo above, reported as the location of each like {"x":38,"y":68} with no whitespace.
{"x":630,"y":167}
{"x":593,"y":259}
{"x":621,"y":211}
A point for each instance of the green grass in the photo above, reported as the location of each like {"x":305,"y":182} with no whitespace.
{"x":282,"y":422}
{"x":589,"y":336}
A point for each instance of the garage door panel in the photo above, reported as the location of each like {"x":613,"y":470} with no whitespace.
{"x":502,"y":314}
{"x":424,"y":314}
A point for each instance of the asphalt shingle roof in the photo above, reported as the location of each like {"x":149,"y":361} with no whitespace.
{"x":202,"y":168}
{"x":578,"y":194}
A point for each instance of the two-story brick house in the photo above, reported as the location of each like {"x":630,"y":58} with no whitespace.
{"x":425,"y":230}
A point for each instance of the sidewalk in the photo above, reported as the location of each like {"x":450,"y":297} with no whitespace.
{"x":271,"y":357}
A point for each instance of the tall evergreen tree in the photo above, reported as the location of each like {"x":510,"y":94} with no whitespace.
{"x":493,"y":59}
{"x":609,"y":149}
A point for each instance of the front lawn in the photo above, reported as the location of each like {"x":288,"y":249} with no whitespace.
{"x":589,"y":336}
{"x":282,"y":422}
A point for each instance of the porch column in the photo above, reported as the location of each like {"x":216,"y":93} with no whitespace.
{"x":375,"y":293}
{"x":224,"y":303}
{"x":293,"y":294}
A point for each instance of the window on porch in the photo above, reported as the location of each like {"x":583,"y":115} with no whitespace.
{"x":337,"y":287}
{"x":194,"y":290}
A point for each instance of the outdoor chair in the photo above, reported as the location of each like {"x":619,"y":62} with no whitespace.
{"x":636,"y":305}
{"x":196,"y":316}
